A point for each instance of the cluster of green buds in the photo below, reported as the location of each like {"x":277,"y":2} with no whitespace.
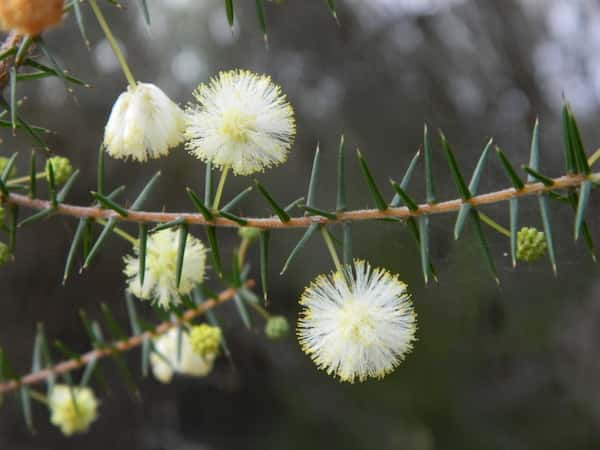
{"x":61,"y":167}
{"x":531,"y":244}
{"x":205,"y":339}
{"x":277,"y":327}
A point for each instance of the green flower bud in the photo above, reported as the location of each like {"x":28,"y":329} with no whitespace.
{"x":4,"y":253}
{"x":62,"y":168}
{"x":3,"y":163}
{"x":249,"y":233}
{"x":277,"y":327}
{"x":205,"y":339}
{"x":531,"y":244}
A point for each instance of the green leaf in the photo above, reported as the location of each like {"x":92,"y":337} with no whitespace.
{"x":347,"y":243}
{"x":463,"y":212}
{"x":211,"y":234}
{"x":13,"y":97}
{"x":577,"y":144}
{"x":319,"y":212}
{"x":107,"y":203}
{"x":429,"y":184}
{"x":62,"y":194}
{"x":115,"y":329}
{"x":406,"y":178}
{"x":264,"y":262}
{"x":458,"y":178}
{"x":514,"y":224}
{"x":88,"y":371}
{"x":569,"y":151}
{"x":112,"y":222}
{"x":60,"y":72}
{"x":379,"y":201}
{"x":236,"y":200}
{"x":12,"y":228}
{"x":51,"y":184}
{"x":484,"y":246}
{"x":300,"y":245}
{"x":298,"y":202}
{"x":80,"y":23}
{"x":145,"y":11}
{"x":333,"y":10}
{"x":143,"y":247}
{"x":534,"y":156}
{"x":408,"y":201}
{"x":35,"y":217}
{"x":283,"y":216}
{"x":573,"y":200}
{"x":535,"y":175}
{"x":8,"y":167}
{"x":233,"y":217}
{"x":199,"y":205}
{"x":208,"y":184}
{"x":424,"y":246}
{"x":100,"y":172}
{"x":242,"y":310}
{"x":584,"y":198}
{"x":341,"y":178}
{"x":26,"y":407}
{"x":314,"y":176}
{"x":508,"y":168}
{"x":172,"y":224}
{"x":260,"y":15}
{"x":32,"y":177}
{"x":229,"y":11}
{"x":544,"y":210}
{"x":183,"y":234}
{"x":139,"y":201}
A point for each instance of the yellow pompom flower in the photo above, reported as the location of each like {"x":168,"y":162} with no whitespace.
{"x":357,"y":325}
{"x":160,"y":279}
{"x":205,"y":339}
{"x":144,"y":123}
{"x":73,"y":408}
{"x":166,"y":361}
{"x":242,"y":121}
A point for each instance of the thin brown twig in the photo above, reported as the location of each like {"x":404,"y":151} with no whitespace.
{"x":564,"y":182}
{"x":119,"y":346}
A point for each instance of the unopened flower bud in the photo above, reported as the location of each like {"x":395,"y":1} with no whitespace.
{"x":531,"y":244}
{"x":62,"y":168}
{"x":249,"y":233}
{"x":3,"y":163}
{"x":4,"y":253}
{"x":277,"y":327}
{"x":205,"y":339}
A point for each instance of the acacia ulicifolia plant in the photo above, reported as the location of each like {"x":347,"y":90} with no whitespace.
{"x":357,"y":322}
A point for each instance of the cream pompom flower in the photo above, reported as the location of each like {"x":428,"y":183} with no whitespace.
{"x":144,"y":123}
{"x":357,"y":325}
{"x":160,"y":278}
{"x":72,"y":408}
{"x":166,"y":361}
{"x":242,"y":121}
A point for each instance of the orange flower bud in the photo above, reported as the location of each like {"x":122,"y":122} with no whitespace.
{"x":30,"y":17}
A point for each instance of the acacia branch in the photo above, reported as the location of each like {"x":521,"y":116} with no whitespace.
{"x":120,"y":346}
{"x":564,"y":182}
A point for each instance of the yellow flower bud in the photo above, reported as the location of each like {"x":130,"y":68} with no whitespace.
{"x":277,"y":327}
{"x":531,"y":244}
{"x":205,"y":339}
{"x":62,"y":168}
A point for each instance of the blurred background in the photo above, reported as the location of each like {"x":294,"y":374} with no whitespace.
{"x":510,"y":367}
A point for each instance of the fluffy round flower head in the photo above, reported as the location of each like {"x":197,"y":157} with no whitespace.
{"x":144,"y":123}
{"x":205,"y":339}
{"x":72,"y":409}
{"x":242,"y":121}
{"x":357,"y":325}
{"x":61,"y":167}
{"x":166,"y":362}
{"x":30,"y":17}
{"x":160,"y":279}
